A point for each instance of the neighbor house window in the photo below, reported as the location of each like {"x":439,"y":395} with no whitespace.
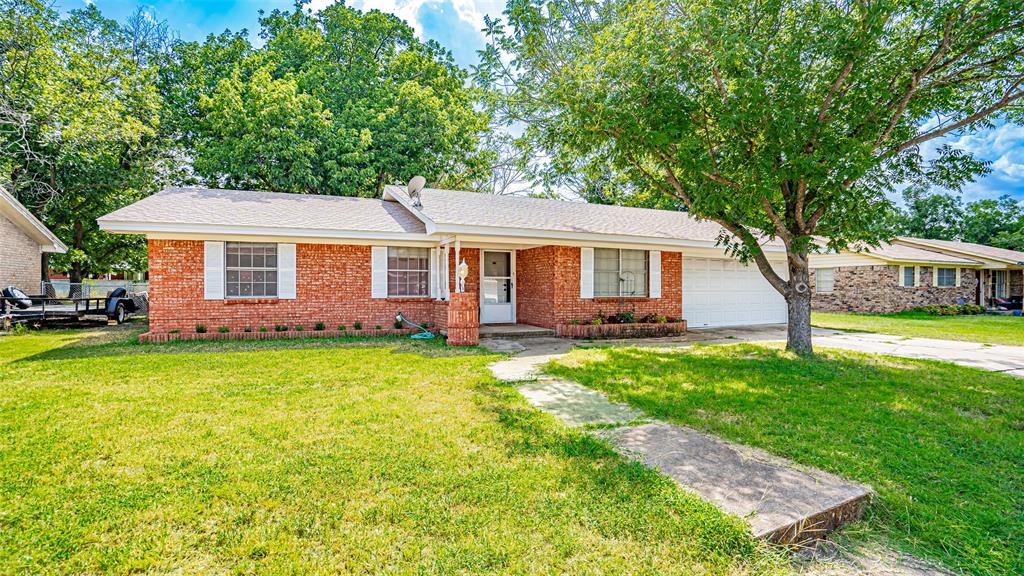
{"x":824,"y":279}
{"x":945,"y":277}
{"x":251,"y":269}
{"x":907,"y":276}
{"x":408,"y":271}
{"x":620,"y":272}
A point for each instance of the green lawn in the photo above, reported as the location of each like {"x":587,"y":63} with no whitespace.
{"x":943,"y":445}
{"x":319,"y":457}
{"x":981,"y":328}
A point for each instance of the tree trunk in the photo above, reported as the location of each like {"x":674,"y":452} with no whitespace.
{"x":75,"y":276}
{"x":798,"y":304}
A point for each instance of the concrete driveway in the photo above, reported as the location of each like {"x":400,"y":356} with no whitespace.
{"x":991,"y":357}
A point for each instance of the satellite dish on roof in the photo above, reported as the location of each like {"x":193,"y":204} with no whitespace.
{"x":415,"y":185}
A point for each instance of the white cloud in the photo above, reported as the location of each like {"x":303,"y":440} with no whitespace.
{"x":470,"y":11}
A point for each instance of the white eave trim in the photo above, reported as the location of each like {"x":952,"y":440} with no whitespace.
{"x":48,"y":241}
{"x":533,"y":233}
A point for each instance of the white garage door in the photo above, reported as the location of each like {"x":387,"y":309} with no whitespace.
{"x":724,"y":292}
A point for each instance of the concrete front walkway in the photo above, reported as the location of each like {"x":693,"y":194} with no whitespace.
{"x":782,"y":502}
{"x":992,"y":357}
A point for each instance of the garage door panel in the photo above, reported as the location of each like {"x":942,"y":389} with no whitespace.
{"x":725,"y":292}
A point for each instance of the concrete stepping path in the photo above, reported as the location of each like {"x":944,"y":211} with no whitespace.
{"x":782,"y":501}
{"x":577,"y":405}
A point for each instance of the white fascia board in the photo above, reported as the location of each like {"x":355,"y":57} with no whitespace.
{"x":208,"y":231}
{"x":28,"y":223}
{"x":576,"y":238}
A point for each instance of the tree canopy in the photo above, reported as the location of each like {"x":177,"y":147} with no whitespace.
{"x":337,"y":102}
{"x":79,"y":124}
{"x":785,"y":119}
{"x":942,"y":216}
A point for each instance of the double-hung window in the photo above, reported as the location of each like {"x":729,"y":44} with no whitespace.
{"x":250,"y":270}
{"x":408,"y":271}
{"x":945,"y":277}
{"x":620,"y":272}
{"x":908,"y":277}
{"x":824,"y":280}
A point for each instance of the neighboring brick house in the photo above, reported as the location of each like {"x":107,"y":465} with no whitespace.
{"x":23,"y":239}
{"x":246,"y":260}
{"x":1001,"y":276}
{"x":912,"y":272}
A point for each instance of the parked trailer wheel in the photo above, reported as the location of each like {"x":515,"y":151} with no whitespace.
{"x":119,"y":314}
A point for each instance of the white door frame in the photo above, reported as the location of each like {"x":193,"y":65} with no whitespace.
{"x":512,"y":280}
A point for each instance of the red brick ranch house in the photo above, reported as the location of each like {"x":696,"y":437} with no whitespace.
{"x":241,"y":261}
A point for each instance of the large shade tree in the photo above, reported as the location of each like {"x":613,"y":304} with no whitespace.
{"x":79,"y":121}
{"x":335,"y":102}
{"x":778,"y":119}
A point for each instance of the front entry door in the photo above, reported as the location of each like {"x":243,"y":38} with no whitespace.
{"x":497,"y":293}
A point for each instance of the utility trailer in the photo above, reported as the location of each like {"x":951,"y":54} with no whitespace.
{"x":16,"y":307}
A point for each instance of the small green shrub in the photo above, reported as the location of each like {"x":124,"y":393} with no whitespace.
{"x":280,"y":328}
{"x":398,"y":324}
{"x":341,"y":327}
{"x":574,"y":322}
{"x":223,"y":329}
{"x":320,"y":326}
{"x":299,"y":327}
{"x":625,"y":317}
{"x":200,"y":328}
{"x":175,"y":331}
{"x":596,"y":322}
{"x":377,"y":327}
{"x":949,"y":309}
{"x":357,"y":325}
{"x":263,"y":329}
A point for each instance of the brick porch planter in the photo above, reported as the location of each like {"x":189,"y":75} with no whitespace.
{"x":635,"y":330}
{"x":464,"y":319}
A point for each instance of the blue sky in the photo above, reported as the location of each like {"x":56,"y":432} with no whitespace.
{"x":456,"y":24}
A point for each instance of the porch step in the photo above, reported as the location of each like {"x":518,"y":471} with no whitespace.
{"x":517,"y":331}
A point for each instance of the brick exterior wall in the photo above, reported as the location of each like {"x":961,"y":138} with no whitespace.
{"x":20,"y":262}
{"x":548,"y":290}
{"x":1017,"y":283}
{"x":876,"y":289}
{"x":332,"y":286}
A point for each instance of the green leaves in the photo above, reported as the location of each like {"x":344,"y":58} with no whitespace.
{"x":339,"y":102}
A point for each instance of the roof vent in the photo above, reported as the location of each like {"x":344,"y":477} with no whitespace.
{"x":415,"y":186}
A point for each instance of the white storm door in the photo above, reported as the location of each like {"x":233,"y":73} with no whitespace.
{"x":497,"y":291}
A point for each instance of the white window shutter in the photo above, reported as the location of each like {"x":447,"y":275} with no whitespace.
{"x":286,"y":271}
{"x":379,"y":272}
{"x":586,"y":272}
{"x":917,"y":276}
{"x":654,"y":262}
{"x":213,"y":271}
{"x":935,"y":276}
{"x":434,"y":272}
{"x":958,"y":277}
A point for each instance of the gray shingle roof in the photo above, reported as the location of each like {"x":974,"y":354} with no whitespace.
{"x":980,"y":250}
{"x":904,"y":253}
{"x":452,"y":208}
{"x":209,"y":206}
